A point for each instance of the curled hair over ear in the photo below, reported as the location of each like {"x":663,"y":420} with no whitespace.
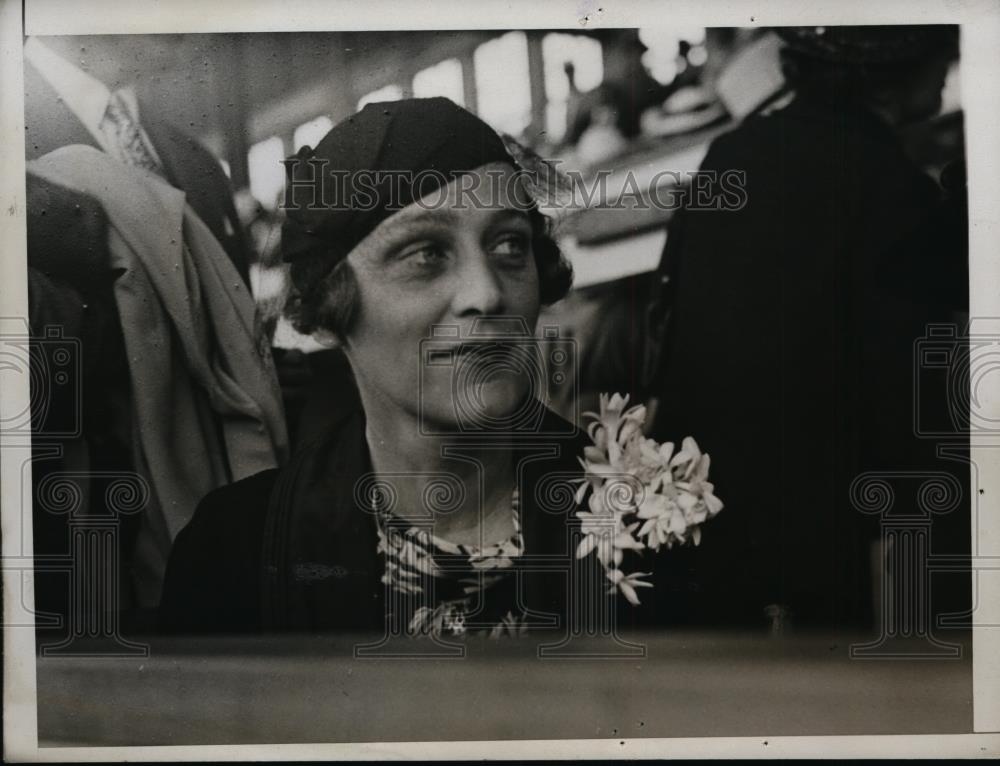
{"x":324,"y":294}
{"x":555,"y":274}
{"x":322,"y":297}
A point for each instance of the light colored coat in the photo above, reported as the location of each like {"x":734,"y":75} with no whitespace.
{"x":206,"y":405}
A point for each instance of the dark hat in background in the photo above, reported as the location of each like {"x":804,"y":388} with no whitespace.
{"x":872,"y":44}
{"x":376,"y":162}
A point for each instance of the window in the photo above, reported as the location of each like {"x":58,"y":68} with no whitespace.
{"x":503,"y":86}
{"x":559,"y":49}
{"x":311,"y":132}
{"x":663,"y":57}
{"x":267,"y":174}
{"x":388,"y":93}
{"x":443,"y":79}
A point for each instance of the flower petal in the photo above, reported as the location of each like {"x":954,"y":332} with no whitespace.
{"x":629,"y":429}
{"x":629,"y":592}
{"x":690,"y":445}
{"x":714,"y":504}
{"x":680,"y":458}
{"x":703,"y":465}
{"x":617,"y":403}
{"x":625,"y":541}
{"x":651,"y":510}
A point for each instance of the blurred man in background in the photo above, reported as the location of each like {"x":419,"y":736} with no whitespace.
{"x":628,"y":89}
{"x":790,"y":349}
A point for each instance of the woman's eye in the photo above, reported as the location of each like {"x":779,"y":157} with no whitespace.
{"x":511,"y":246}
{"x":425,"y":256}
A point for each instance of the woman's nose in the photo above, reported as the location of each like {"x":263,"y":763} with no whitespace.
{"x":479,"y":289}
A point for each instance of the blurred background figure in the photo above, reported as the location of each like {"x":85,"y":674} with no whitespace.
{"x":627,"y":90}
{"x":603,"y":121}
{"x":790,"y":348}
{"x":163,"y":310}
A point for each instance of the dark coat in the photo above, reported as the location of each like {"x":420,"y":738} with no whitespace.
{"x":790,"y":353}
{"x":291,"y":549}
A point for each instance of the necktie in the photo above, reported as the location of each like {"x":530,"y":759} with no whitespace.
{"x":131,"y":145}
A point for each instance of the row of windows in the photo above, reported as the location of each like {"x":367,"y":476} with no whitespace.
{"x":502,"y":91}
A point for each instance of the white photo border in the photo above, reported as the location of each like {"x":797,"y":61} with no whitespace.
{"x":980,"y":39}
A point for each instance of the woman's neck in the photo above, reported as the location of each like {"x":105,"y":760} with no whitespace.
{"x":482,"y":478}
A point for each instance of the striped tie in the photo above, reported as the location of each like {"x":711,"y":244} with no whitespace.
{"x":130,"y":142}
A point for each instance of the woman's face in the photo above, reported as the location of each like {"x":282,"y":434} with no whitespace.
{"x":455,"y":266}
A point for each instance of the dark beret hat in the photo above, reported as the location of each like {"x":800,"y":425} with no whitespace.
{"x":374,"y":163}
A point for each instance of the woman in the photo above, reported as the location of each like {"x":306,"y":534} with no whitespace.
{"x":414,"y":245}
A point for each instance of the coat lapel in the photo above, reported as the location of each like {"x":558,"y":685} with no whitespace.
{"x":321,"y":568}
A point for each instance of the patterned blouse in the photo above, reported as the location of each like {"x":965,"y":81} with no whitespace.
{"x":446,"y":589}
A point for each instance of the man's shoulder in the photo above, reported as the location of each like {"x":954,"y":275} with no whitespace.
{"x":248,"y":491}
{"x":234,"y":509}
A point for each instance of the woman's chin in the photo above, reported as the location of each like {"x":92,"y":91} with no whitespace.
{"x":492,"y":404}
{"x":501,"y":406}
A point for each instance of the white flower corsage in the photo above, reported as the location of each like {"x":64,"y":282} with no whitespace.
{"x":639,"y":494}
